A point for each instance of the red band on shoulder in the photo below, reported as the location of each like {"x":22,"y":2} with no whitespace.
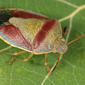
{"x":24,"y":14}
{"x":40,"y":36}
{"x":15,"y":35}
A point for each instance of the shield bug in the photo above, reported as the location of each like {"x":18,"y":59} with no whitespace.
{"x":32,"y":32}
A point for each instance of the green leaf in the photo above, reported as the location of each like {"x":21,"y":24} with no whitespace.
{"x":71,"y":69}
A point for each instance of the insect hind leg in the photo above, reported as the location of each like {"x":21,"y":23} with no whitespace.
{"x":5,"y":49}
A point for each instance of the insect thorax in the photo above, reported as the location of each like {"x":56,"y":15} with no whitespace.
{"x":28,"y":27}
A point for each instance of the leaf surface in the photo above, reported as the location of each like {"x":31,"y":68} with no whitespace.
{"x":71,"y":69}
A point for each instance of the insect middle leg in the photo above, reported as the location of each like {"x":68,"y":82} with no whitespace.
{"x":22,"y":60}
{"x":14,"y":56}
{"x":46,"y":62}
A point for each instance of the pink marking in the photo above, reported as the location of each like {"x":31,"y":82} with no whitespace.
{"x":15,"y":35}
{"x":40,"y":36}
{"x":24,"y":14}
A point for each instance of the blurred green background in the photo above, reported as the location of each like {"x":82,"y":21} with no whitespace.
{"x":71,"y":69}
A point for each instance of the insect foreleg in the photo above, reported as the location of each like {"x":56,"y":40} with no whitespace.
{"x":59,"y":56}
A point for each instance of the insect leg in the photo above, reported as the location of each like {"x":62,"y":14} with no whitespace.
{"x":12,"y":60}
{"x":24,"y":60}
{"x":56,"y":62}
{"x":16,"y":53}
{"x":79,"y":37}
{"x":5,"y":49}
{"x":46,"y":62}
{"x":15,"y":58}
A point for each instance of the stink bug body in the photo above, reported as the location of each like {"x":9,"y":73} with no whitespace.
{"x":32,"y":32}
